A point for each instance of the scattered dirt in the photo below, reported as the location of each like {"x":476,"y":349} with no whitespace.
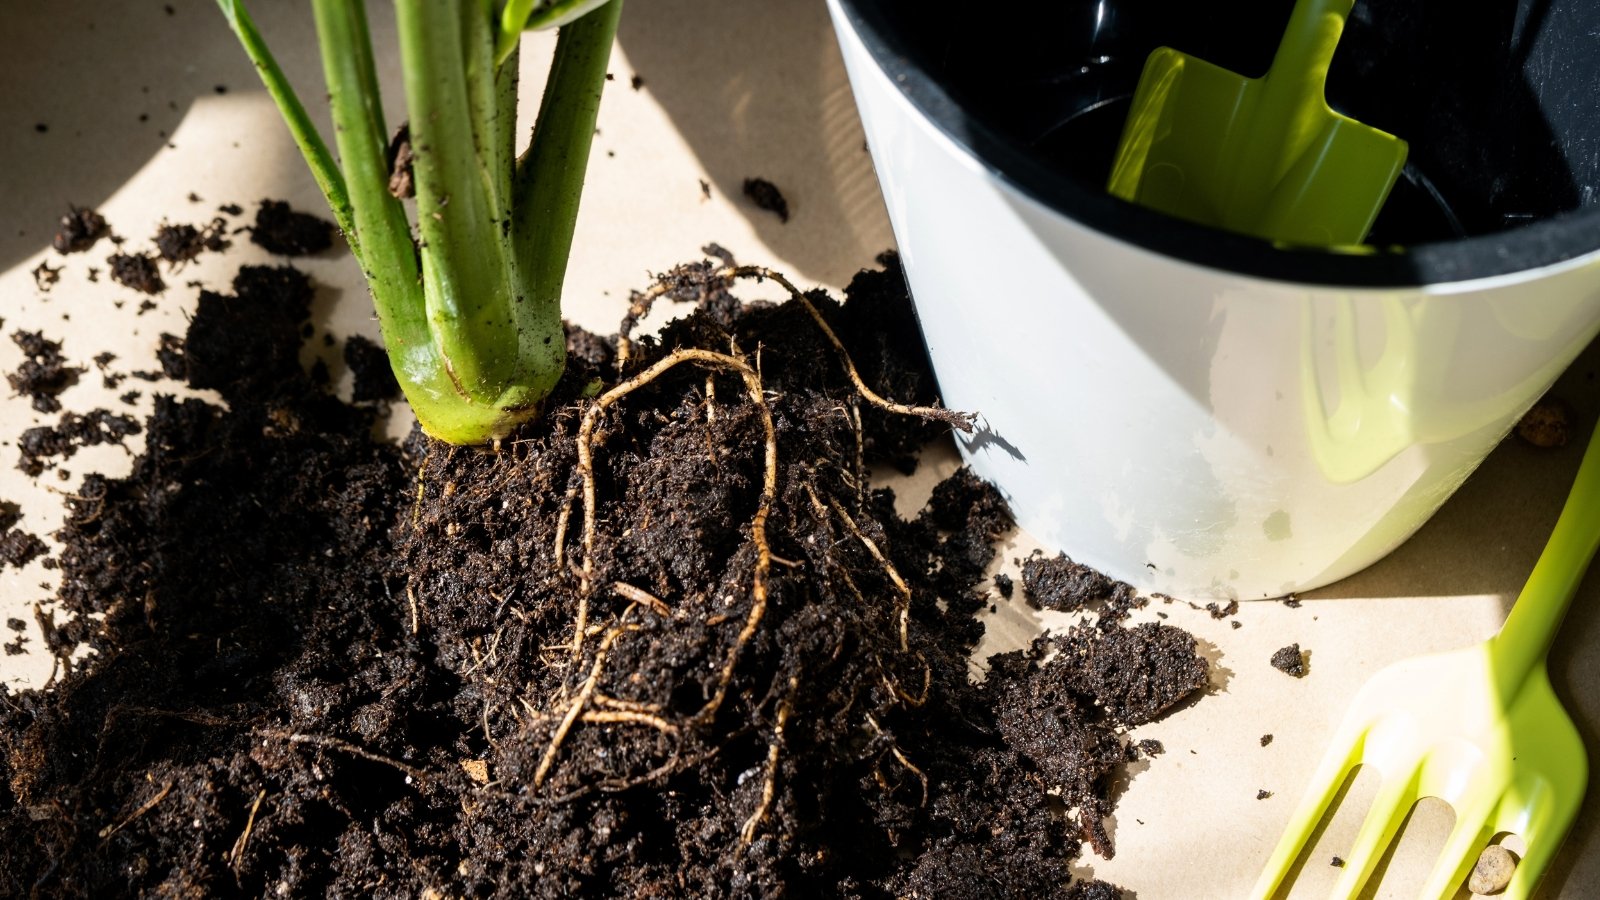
{"x":666,"y":643}
{"x":42,"y":444}
{"x":137,"y":271}
{"x":765,"y":195}
{"x":281,"y":230}
{"x":10,"y":514}
{"x":181,"y":243}
{"x":1064,"y":585}
{"x":1004,"y":584}
{"x":80,"y":228}
{"x":402,"y":181}
{"x":374,"y":378}
{"x":18,"y":547}
{"x":1290,"y":661}
{"x":1266,"y":739}
{"x":1548,"y":424}
{"x":44,"y":372}
{"x":1263,"y":794}
{"x":45,"y":276}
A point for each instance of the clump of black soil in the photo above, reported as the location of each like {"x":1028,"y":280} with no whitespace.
{"x":80,"y":228}
{"x":369,"y":364}
{"x":182,"y":243}
{"x":44,"y":372}
{"x":137,"y":271}
{"x":18,"y":547}
{"x":765,"y":195}
{"x":328,"y":666}
{"x":1067,"y":586}
{"x":1290,"y":661}
{"x":282,"y":230}
{"x":43,"y":443}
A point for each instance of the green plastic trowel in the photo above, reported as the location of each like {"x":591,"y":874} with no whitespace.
{"x":1261,"y":156}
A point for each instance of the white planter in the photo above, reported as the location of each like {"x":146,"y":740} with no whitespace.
{"x":1196,"y":413}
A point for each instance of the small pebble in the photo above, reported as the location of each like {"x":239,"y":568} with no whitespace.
{"x":1266,"y":739}
{"x":1337,"y":863}
{"x":1493,"y":871}
{"x":1548,"y":424}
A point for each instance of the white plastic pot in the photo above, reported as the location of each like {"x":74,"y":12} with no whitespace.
{"x":1193,"y":412}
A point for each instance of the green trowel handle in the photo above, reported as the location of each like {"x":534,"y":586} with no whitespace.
{"x":1300,"y":67}
{"x":1291,"y":108}
{"x":1525,"y":639}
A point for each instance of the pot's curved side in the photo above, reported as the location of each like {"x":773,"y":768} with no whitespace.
{"x":1194,"y":431}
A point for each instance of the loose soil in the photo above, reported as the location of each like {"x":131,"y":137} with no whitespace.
{"x":666,"y":641}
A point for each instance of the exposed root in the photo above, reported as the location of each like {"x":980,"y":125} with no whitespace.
{"x":888,"y":567}
{"x":643,"y":597}
{"x":747,"y":833}
{"x":957,"y":420}
{"x":332,"y":743}
{"x":614,"y":716}
{"x":591,"y":418}
{"x":894,"y":748}
{"x":148,"y":805}
{"x":237,"y":853}
{"x":575,"y":708}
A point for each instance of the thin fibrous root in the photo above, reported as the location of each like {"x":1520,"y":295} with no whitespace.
{"x":747,"y":833}
{"x":642,"y":597}
{"x":332,"y":743}
{"x":591,"y":419}
{"x":624,"y":716}
{"x":888,"y":567}
{"x":895,"y":749}
{"x":575,"y":708}
{"x":894,"y":687}
{"x":958,"y":420}
{"x":237,"y":853}
{"x":109,"y":830}
{"x":618,"y":703}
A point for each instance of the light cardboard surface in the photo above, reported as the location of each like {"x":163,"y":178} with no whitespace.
{"x":731,"y":89}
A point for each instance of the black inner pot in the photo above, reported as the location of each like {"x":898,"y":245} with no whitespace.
{"x":1499,"y":100}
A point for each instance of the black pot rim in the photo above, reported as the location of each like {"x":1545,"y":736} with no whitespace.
{"x":1529,"y":247}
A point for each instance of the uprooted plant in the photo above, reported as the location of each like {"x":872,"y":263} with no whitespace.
{"x":471,"y":310}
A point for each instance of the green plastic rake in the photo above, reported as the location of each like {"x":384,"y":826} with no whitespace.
{"x":1479,"y":728}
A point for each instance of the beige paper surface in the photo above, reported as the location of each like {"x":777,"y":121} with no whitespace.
{"x":731,"y":89}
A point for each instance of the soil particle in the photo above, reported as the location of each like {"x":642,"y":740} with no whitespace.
{"x":636,"y":82}
{"x":44,"y":372}
{"x":1220,"y":611}
{"x":43,"y":443}
{"x":232,"y":209}
{"x":765,"y":195}
{"x":402,"y":182}
{"x":281,"y":230}
{"x":45,"y":276}
{"x":137,"y":271}
{"x":1266,"y":739}
{"x":18,"y":547}
{"x":181,"y":243}
{"x":170,"y":353}
{"x":1003,"y":584}
{"x":374,"y":378}
{"x":10,"y":515}
{"x":1336,"y":862}
{"x":1290,"y":661}
{"x":1492,"y":873}
{"x":324,"y":663}
{"x":1548,"y":424}
{"x":80,"y":228}
{"x":1061,"y":584}
{"x":1263,"y":794}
